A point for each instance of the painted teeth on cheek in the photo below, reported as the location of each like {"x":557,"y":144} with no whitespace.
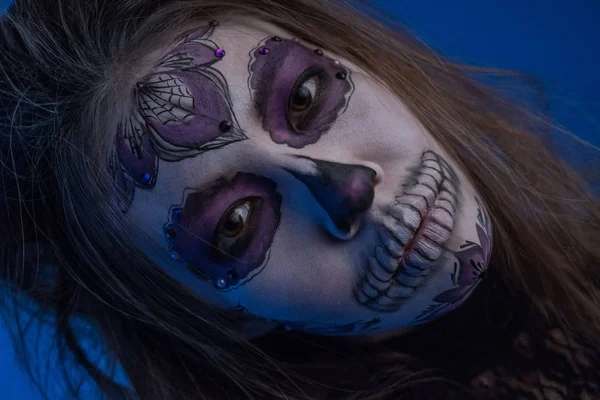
{"x":369,"y":291}
{"x":423,"y":256}
{"x":378,"y":284}
{"x":385,"y":259}
{"x":447,"y":200}
{"x":425,"y":188}
{"x":428,"y":249}
{"x":416,"y":200}
{"x":434,"y":233}
{"x":441,"y":221}
{"x":390,"y":243}
{"x":388,"y":303}
{"x":414,"y":270}
{"x":400,"y":292}
{"x":401,"y":233}
{"x":412,"y":235}
{"x":378,"y":272}
{"x":407,"y":216}
{"x":410,"y":281}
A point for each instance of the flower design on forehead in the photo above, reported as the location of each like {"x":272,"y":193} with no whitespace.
{"x":298,"y":92}
{"x":182,"y":109}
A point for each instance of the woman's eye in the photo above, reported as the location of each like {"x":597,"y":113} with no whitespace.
{"x":304,"y":97}
{"x":235,"y":220}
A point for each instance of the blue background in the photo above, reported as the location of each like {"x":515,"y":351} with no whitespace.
{"x":553,"y":40}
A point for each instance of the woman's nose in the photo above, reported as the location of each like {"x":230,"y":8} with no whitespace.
{"x":344,"y":191}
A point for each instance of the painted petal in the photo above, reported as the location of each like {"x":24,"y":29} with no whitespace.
{"x":189,"y":55}
{"x":126,"y":189}
{"x":194,"y":50}
{"x":203,"y":32}
{"x":123,"y":183}
{"x":468,"y":274}
{"x":485,"y":241}
{"x":136,"y":153}
{"x":186,"y":109}
{"x":452,"y":295}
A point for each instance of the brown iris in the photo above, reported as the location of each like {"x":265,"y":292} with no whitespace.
{"x":302,"y":99}
{"x":235,"y":220}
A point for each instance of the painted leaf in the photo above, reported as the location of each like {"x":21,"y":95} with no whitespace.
{"x":452,"y":295}
{"x":136,"y":153}
{"x":193,"y":51}
{"x":124,"y":184}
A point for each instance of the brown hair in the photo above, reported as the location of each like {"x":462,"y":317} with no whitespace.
{"x":60,"y":64}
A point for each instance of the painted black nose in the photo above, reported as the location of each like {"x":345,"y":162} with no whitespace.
{"x":343,"y":190}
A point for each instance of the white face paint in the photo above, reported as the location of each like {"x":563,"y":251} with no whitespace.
{"x":295,"y":187}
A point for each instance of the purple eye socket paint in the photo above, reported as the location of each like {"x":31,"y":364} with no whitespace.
{"x":224,"y":233}
{"x":297,"y":92}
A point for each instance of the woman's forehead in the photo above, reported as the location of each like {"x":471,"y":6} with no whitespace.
{"x":235,"y":33}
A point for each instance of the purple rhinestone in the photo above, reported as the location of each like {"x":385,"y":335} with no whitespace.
{"x":220,"y":53}
{"x":263,"y":50}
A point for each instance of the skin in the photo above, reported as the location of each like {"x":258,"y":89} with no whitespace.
{"x":287,"y":184}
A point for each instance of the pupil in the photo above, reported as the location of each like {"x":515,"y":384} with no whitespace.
{"x":302,"y":98}
{"x":233,"y":225}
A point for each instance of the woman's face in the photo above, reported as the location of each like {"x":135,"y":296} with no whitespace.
{"x":287,"y":183}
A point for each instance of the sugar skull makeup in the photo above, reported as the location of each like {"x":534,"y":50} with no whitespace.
{"x":286,"y":183}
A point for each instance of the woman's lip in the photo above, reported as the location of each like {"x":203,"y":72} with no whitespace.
{"x":413,"y":234}
{"x":423,"y":231}
{"x":432,"y":231}
{"x":413,"y":241}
